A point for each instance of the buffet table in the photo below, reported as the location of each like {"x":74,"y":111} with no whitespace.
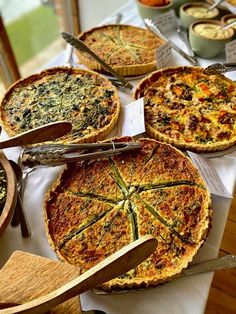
{"x":183,"y":296}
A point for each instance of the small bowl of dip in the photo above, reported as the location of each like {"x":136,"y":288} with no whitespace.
{"x":208,"y":39}
{"x":177,"y":4}
{"x":192,"y":12}
{"x":226,"y":19}
{"x":152,"y":8}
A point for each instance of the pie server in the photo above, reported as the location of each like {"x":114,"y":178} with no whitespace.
{"x":219,"y":263}
{"x":25,"y":271}
{"x":47,"y":132}
{"x":220,"y":68}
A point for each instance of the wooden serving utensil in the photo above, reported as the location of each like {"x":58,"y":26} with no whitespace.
{"x":19,"y":216}
{"x":47,"y":132}
{"x":7,"y":212}
{"x":116,"y":264}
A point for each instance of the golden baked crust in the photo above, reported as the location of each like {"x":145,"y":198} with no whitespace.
{"x":189,"y":109}
{"x":96,"y":208}
{"x":86,"y":99}
{"x":130,"y":50}
{"x":233,"y":2}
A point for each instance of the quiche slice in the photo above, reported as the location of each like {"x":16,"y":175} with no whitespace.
{"x":86,"y":99}
{"x":149,"y":168}
{"x":84,"y":227}
{"x":99,"y":240}
{"x":129,"y":50}
{"x":189,"y":109}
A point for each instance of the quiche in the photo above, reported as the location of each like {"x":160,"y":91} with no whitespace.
{"x":129,"y":50}
{"x":189,"y":109}
{"x":85,"y":98}
{"x":95,"y":208}
{"x":232,"y":2}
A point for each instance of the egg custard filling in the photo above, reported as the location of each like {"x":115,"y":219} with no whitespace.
{"x":86,"y":99}
{"x":130,"y":50}
{"x":95,"y":208}
{"x":185,"y":107}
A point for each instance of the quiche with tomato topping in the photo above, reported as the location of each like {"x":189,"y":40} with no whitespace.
{"x":189,"y":109}
{"x":129,"y":50}
{"x":85,"y":98}
{"x":95,"y":208}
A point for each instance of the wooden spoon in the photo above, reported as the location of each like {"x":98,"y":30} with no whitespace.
{"x":47,"y":132}
{"x":116,"y":264}
{"x":9,"y":207}
{"x":19,"y":214}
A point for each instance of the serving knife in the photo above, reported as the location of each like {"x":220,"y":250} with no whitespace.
{"x":78,"y":44}
{"x":215,"y":264}
{"x":152,"y":26}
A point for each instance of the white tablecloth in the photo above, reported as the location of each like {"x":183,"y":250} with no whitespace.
{"x":184,"y":296}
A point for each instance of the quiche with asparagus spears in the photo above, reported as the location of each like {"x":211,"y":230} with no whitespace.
{"x":128,"y":49}
{"x":97,"y":207}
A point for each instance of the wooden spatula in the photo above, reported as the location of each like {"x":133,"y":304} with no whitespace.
{"x":25,"y":271}
{"x":47,"y":132}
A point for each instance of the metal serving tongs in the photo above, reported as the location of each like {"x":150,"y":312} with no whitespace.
{"x":153,"y":27}
{"x":220,"y":68}
{"x":183,"y":35}
{"x":58,"y":154}
{"x":78,"y":44}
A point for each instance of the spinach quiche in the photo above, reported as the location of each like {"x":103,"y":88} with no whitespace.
{"x":85,"y":98}
{"x":189,"y":109}
{"x":95,"y":208}
{"x":128,"y":49}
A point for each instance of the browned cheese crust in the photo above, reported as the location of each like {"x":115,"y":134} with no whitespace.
{"x":96,"y":208}
{"x":189,"y":109}
{"x":86,"y":99}
{"x":128,"y":49}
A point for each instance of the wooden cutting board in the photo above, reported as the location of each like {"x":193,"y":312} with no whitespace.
{"x":48,"y":275}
